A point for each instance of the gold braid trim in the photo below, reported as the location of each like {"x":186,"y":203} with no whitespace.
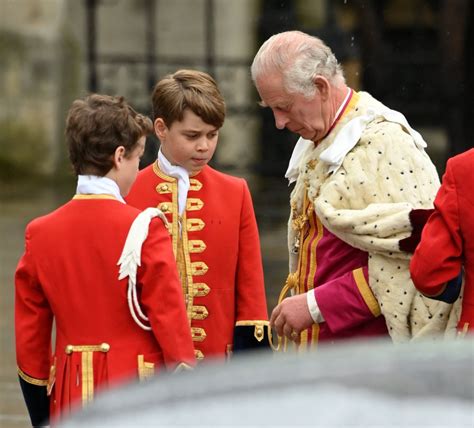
{"x":87,"y":369}
{"x":87,"y":366}
{"x":252,"y":322}
{"x":366,"y":292}
{"x":146,"y":370}
{"x":32,"y":380}
{"x":98,"y":196}
{"x":259,"y":327}
{"x":299,"y":220}
{"x":103,"y":347}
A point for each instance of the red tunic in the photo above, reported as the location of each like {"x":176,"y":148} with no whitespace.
{"x":218,"y":253}
{"x":69,"y":273}
{"x":447,"y":241}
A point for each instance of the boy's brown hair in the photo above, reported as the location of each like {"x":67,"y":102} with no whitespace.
{"x":96,"y":125}
{"x":190,"y":89}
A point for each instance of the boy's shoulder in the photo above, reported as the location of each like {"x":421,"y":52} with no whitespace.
{"x":463,"y":159}
{"x":147,"y":169}
{"x":45,"y":219}
{"x":71,"y":209}
{"x":211,"y":174}
{"x":150,"y":174}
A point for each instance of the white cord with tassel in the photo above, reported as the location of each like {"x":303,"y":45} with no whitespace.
{"x":131,"y":259}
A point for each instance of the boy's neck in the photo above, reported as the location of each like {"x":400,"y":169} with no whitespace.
{"x":168,"y":168}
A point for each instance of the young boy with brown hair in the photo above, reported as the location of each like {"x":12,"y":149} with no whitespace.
{"x":213,"y":225}
{"x":105,"y":334}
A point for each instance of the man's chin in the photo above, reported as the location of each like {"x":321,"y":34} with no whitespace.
{"x":306,"y":134}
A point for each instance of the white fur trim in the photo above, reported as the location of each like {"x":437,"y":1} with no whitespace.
{"x":350,"y":134}
{"x":366,"y":203}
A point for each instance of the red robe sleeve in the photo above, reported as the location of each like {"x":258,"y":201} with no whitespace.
{"x":438,"y":257}
{"x":251,"y":301}
{"x":33,"y":327}
{"x":251,"y":329}
{"x":347,"y":301}
{"x":33,"y":321}
{"x":162,"y":298}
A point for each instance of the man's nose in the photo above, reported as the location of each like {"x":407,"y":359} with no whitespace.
{"x":280,"y":120}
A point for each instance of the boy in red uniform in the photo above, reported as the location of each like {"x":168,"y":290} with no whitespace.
{"x":69,"y":274}
{"x":447,"y":241}
{"x":215,"y":235}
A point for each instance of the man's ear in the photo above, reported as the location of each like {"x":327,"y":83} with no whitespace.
{"x":160,"y":128}
{"x":119,"y":156}
{"x":322,"y":85}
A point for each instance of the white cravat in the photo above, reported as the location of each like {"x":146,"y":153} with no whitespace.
{"x":95,"y":185}
{"x":181,"y":174}
{"x":302,"y":145}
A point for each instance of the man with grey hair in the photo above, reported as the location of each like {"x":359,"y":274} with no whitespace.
{"x":363,"y":184}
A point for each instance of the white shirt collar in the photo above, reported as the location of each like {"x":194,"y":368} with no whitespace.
{"x":302,"y":145}
{"x":343,"y":104}
{"x":95,"y":185}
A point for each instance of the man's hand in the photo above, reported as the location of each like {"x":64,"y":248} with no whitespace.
{"x":291,"y":317}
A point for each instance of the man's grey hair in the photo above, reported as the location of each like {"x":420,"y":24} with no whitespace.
{"x":299,"y":58}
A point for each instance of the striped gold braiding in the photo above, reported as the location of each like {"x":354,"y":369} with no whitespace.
{"x":87,"y":362}
{"x":103,"y":347}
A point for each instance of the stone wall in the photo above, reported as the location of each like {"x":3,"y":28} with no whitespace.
{"x":43,"y":68}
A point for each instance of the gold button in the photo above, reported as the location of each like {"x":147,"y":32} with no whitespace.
{"x":164,"y":187}
{"x":69,"y":349}
{"x":104,"y":347}
{"x":164,"y":208}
